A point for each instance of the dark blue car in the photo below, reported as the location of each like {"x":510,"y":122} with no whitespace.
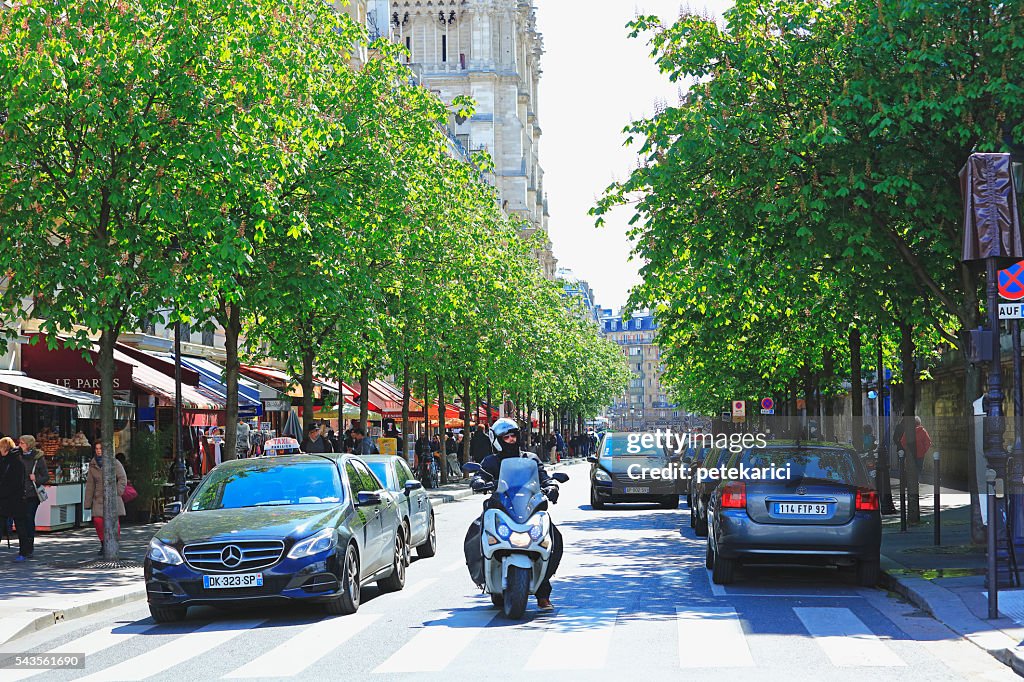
{"x":825,"y":512}
{"x":278,"y":529}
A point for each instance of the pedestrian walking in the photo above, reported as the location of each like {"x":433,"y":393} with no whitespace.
{"x":12,"y":488}
{"x":314,"y":443}
{"x":94,"y":493}
{"x":363,"y":444}
{"x":242,"y":439}
{"x":479,"y":445}
{"x":922,"y":443}
{"x":35,"y":477}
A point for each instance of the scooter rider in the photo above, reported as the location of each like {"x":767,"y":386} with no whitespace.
{"x":505,"y":444}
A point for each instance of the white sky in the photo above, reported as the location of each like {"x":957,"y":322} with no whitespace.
{"x":595,"y":81}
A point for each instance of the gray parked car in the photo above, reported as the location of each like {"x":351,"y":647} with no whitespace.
{"x":826,"y":513}
{"x":413,"y":502}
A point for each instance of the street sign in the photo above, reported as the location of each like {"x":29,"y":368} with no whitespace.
{"x":726,"y":417}
{"x":767,"y":404}
{"x":739,"y":408}
{"x":1011,"y":284}
{"x":801,"y":404}
{"x":767,"y":411}
{"x":1011,"y":311}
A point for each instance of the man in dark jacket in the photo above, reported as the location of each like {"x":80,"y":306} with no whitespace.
{"x":479,"y":445}
{"x":363,"y":445}
{"x":35,"y":475}
{"x":314,"y":443}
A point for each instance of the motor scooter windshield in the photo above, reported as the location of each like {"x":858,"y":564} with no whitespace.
{"x":519,"y":488}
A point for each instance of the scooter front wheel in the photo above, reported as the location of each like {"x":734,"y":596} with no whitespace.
{"x":498,"y":600}
{"x":517,"y":593}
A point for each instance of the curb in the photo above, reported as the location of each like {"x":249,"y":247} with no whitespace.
{"x":946,"y":607}
{"x":53,"y":617}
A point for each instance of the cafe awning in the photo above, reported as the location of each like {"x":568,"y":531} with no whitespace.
{"x":87,"y":406}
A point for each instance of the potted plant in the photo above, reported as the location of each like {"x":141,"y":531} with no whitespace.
{"x":146,"y":471}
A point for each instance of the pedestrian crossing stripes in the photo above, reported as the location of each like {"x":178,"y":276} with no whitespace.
{"x":719,"y":634}
{"x":305,"y":648}
{"x":438,"y":643}
{"x":174,"y":652}
{"x":570,"y":639}
{"x":578,"y":642}
{"x":845,"y":639}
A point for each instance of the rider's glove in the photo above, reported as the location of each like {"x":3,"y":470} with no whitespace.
{"x":479,"y":485}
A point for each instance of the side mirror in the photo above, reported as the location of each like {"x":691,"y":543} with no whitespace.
{"x":171,"y":510}
{"x":471,"y":467}
{"x":364,"y":498}
{"x":592,"y":460}
{"x":560,"y":477}
{"x":412,"y":485}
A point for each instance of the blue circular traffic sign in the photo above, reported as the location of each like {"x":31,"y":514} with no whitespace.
{"x":767,"y":404}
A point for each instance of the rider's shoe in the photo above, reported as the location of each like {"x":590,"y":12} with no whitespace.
{"x":545,"y":604}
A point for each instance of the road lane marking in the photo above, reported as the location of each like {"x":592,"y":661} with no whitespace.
{"x":179,"y":650}
{"x":845,"y":639}
{"x":575,"y":640}
{"x":306,"y":648}
{"x":91,"y":644}
{"x":711,"y":636}
{"x":438,"y":643}
{"x":416,"y":588}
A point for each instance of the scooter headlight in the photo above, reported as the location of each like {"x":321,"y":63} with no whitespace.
{"x":520,"y":539}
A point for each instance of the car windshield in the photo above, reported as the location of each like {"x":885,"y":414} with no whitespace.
{"x":380,"y":470}
{"x":269,"y":483}
{"x":630,"y":446}
{"x":836,"y":465}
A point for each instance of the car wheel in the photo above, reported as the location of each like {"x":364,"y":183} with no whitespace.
{"x":408,"y":538}
{"x":594,"y":502}
{"x":396,"y":581}
{"x":709,"y":556}
{"x":348,"y":601}
{"x":689,"y":501}
{"x":701,"y":529}
{"x":670,"y":502}
{"x":693,"y":515}
{"x":167,"y":614}
{"x":429,"y":546}
{"x":868,"y":572}
{"x":723,"y":571}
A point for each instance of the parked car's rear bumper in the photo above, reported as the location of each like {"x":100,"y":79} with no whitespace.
{"x":737,"y":536}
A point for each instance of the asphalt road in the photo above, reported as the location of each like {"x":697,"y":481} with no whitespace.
{"x":632,"y":598}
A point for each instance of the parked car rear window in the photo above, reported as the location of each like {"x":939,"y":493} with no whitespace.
{"x":836,"y":465}
{"x":269,"y":484}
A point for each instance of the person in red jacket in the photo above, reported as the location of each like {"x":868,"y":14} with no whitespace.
{"x":922,"y":442}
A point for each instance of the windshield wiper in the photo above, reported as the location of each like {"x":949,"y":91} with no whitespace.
{"x":270,"y":504}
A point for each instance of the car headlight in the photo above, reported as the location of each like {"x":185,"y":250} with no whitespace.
{"x":325,"y":540}
{"x":163,"y":554}
{"x":602,"y":475}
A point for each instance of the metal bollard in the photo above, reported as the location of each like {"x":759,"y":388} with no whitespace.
{"x":993,"y":578}
{"x":938,"y":507}
{"x":901,"y":455}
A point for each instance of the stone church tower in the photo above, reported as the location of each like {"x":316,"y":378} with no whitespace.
{"x":489,"y":50}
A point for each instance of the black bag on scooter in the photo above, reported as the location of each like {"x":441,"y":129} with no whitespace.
{"x":474,"y":552}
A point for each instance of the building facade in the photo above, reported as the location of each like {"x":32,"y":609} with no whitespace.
{"x":580,"y":291}
{"x":645,"y":404}
{"x":488,"y":50}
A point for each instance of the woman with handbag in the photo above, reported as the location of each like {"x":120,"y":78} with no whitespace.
{"x":36,"y":476}
{"x":94,"y":492}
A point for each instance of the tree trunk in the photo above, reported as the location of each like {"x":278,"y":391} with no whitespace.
{"x":364,"y":398}
{"x":489,"y":403}
{"x":232,"y":330}
{"x":441,"y":413}
{"x":856,"y":391}
{"x":529,"y":421}
{"x":468,"y":400}
{"x":307,"y":389}
{"x":406,"y":431}
{"x":909,"y":430}
{"x":828,"y":426}
{"x":106,"y":367}
{"x":426,"y":404}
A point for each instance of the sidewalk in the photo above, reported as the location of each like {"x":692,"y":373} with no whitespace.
{"x":948,"y":581}
{"x":68,"y":579}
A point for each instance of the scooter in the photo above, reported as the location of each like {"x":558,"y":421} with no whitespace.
{"x":515,"y":538}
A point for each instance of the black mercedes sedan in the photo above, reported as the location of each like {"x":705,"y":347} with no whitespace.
{"x":294,"y":528}
{"x":802,"y":504}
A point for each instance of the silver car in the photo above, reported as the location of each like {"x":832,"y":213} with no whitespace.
{"x":413,"y":502}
